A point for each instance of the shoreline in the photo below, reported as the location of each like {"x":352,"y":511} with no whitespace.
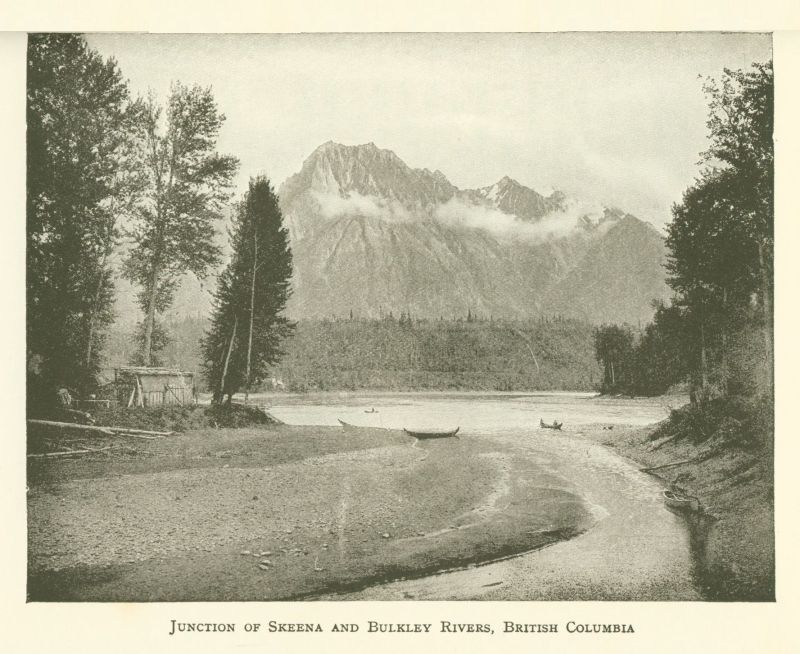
{"x":732,"y":537}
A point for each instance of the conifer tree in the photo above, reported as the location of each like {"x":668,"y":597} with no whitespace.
{"x":248,"y":324}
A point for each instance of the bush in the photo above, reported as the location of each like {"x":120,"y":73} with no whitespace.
{"x":742,"y":422}
{"x":235,"y":415}
{"x":182,"y":418}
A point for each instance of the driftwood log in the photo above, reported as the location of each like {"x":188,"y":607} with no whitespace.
{"x":109,"y":431}
{"x":72,"y":425}
{"x":69,"y":452}
{"x":146,"y":432}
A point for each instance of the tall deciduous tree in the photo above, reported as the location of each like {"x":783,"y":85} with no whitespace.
{"x":81,"y":178}
{"x":248,"y":324}
{"x":741,"y":124}
{"x":721,"y":237}
{"x":188,"y":185}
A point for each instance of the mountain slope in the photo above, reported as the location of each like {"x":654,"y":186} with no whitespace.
{"x":617,"y":278}
{"x":371,"y":235}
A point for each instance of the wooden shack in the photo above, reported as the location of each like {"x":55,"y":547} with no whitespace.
{"x":139,"y":386}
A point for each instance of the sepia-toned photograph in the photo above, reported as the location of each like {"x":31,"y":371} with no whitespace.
{"x":400,"y":316}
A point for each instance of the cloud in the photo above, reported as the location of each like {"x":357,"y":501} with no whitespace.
{"x":458,"y":213}
{"x":464,"y":214}
{"x":333,"y":205}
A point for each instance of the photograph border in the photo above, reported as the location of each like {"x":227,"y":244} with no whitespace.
{"x":659,"y":626}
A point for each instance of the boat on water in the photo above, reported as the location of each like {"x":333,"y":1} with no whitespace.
{"x":425,"y":433}
{"x":678,"y":501}
{"x":554,"y":425}
{"x":372,"y":410}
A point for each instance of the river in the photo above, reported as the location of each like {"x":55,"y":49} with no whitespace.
{"x":476,"y":412}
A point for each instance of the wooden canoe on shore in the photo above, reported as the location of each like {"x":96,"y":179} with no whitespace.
{"x":683,"y":502}
{"x":422,"y":434}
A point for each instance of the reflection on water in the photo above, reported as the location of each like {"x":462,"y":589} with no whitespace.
{"x":475,"y":412}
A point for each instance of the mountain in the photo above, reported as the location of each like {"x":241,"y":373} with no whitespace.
{"x":372,"y":235}
{"x":617,"y":278}
{"x":339,"y":180}
{"x":511,"y":197}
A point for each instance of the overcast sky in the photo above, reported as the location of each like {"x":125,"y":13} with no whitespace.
{"x":617,"y":118}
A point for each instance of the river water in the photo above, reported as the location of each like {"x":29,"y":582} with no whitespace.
{"x":491,"y":413}
{"x":636,"y":549}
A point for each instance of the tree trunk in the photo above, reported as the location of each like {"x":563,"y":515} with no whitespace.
{"x":90,"y":336}
{"x":150,"y":318}
{"x":93,"y":312}
{"x":613,"y":379}
{"x":766,"y":303}
{"x":228,"y":359}
{"x":89,"y":343}
{"x":724,"y":354}
{"x":252,"y":312}
{"x":703,"y":362}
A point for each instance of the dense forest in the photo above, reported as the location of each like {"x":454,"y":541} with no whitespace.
{"x":405,"y":353}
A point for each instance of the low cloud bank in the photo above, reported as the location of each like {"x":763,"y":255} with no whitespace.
{"x":461,"y":213}
{"x":333,"y":205}
{"x":458,"y":213}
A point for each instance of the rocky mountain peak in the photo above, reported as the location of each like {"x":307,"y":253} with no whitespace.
{"x":511,"y":197}
{"x":338,"y":179}
{"x":507,"y":182}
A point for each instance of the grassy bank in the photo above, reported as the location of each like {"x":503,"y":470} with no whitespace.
{"x":727,"y":463}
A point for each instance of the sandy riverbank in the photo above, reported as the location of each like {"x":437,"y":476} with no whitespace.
{"x":316,"y":512}
{"x":282,"y":512}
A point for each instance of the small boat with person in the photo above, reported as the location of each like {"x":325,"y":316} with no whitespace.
{"x":422,"y":434}
{"x":555,"y":424}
